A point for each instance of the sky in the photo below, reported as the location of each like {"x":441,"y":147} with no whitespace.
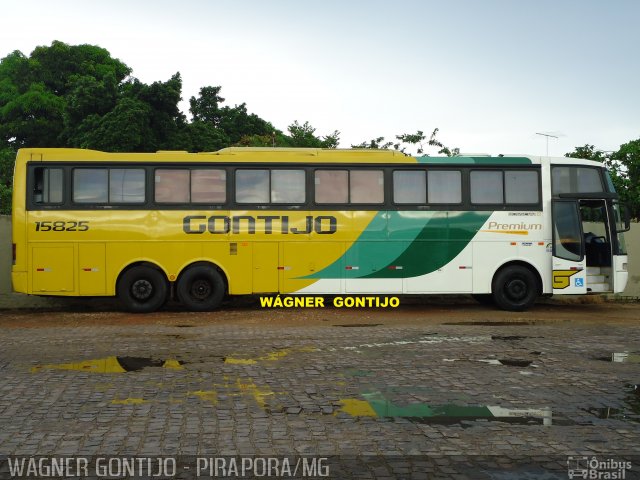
{"x":490,"y":74}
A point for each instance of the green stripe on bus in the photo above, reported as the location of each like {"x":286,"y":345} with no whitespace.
{"x":445,"y":236}
{"x":473,"y":160}
{"x":377,"y":244}
{"x":386,"y":408}
{"x":426,"y":242}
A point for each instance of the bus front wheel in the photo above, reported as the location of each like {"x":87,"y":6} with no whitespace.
{"x":142,"y":289}
{"x":201,"y":288}
{"x":515,"y":288}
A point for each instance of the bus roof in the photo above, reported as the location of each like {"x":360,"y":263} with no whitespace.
{"x":282,"y":155}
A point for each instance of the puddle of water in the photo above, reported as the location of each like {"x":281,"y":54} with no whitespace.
{"x":624,"y":357}
{"x":357,"y":408}
{"x":621,"y":357}
{"x":513,"y":362}
{"x":375,"y":404}
{"x":269,"y":357}
{"x":129,"y":401}
{"x":210,"y":396}
{"x":509,"y":362}
{"x":490,"y":361}
{"x":508,"y":338}
{"x":630,"y":413}
{"x":358,"y":373}
{"x":234,"y":387}
{"x":492,"y":324}
{"x":614,"y":414}
{"x":358,"y":325}
{"x":435,"y":339}
{"x":112,"y":364}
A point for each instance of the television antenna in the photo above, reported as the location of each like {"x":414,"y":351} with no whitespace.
{"x":547,"y":135}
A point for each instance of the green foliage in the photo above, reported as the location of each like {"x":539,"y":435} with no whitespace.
{"x":7,"y":160}
{"x":407,"y":141}
{"x":625,"y":168}
{"x":304,"y":136}
{"x":374,"y":144}
{"x":205,"y":137}
{"x":234,"y":122}
{"x":587,"y":152}
{"x":44,"y":96}
{"x":126,"y":128}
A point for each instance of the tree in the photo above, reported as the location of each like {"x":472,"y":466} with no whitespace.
{"x":42,"y":97}
{"x":304,"y":136}
{"x":588,"y":152}
{"x":406,"y":141}
{"x":7,"y":158}
{"x":206,"y":107}
{"x":234,"y":122}
{"x":624,"y":166}
{"x":144,"y":118}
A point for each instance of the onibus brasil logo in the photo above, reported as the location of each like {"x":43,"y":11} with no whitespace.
{"x":595,"y":468}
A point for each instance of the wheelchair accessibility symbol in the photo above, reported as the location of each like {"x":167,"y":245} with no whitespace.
{"x":579,"y":282}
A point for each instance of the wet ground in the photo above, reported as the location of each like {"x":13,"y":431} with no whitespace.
{"x":442,"y":388}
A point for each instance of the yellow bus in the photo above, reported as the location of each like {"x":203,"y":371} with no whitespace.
{"x":147,"y":227}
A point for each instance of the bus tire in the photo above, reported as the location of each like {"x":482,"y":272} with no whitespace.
{"x":142,"y":289}
{"x":201,"y":288}
{"x":515,"y":288}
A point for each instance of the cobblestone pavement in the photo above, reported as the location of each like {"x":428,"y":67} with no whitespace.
{"x":523,"y":388}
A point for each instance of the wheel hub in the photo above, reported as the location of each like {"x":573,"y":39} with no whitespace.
{"x":201,"y":289}
{"x":516,"y":289}
{"x":142,"y":289}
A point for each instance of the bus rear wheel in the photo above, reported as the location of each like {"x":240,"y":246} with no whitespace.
{"x":201,"y":288}
{"x":142,"y":289}
{"x":515,"y":288}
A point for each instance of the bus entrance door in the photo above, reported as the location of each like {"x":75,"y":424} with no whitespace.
{"x":569,"y":275}
{"x":597,"y":245}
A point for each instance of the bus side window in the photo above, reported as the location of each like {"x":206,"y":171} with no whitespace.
{"x":47,"y":185}
{"x":444,"y":186}
{"x":410,"y":186}
{"x":126,"y":185}
{"x":565,"y":179}
{"x":171,"y":185}
{"x":91,"y":185}
{"x":208,"y":186}
{"x":331,"y":186}
{"x":521,"y":186}
{"x":487,"y":186}
{"x":287,"y":186}
{"x":588,"y":180}
{"x":252,"y":186}
{"x":366,"y":186}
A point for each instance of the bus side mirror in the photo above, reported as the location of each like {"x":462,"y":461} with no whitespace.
{"x":625,"y":220}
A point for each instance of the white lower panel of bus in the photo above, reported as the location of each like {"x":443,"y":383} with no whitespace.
{"x":373,"y":285}
{"x":455,"y":277}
